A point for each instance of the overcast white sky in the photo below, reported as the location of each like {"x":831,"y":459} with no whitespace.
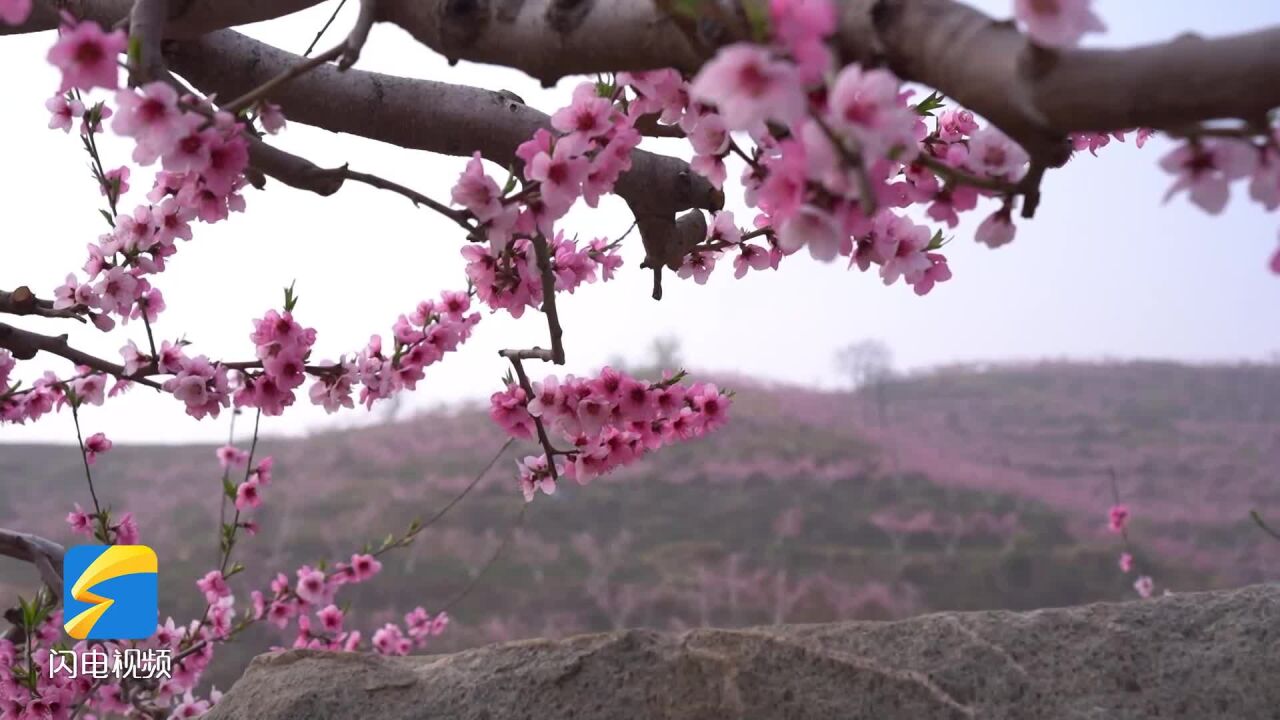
{"x":1104,"y":270}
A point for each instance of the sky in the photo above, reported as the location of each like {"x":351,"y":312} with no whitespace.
{"x":1107,"y":269}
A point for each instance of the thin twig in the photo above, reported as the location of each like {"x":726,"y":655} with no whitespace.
{"x":624,"y":235}
{"x":543,"y":255}
{"x":226,"y":540}
{"x":248,"y":472}
{"x":853,"y":157}
{"x":151,"y":339}
{"x":244,"y":101}
{"x":956,"y":175}
{"x":649,"y":126}
{"x":323,"y":30}
{"x":475,"y":580}
{"x":416,"y":197}
{"x":222,"y":491}
{"x":517,"y":361}
{"x":1115,"y":498}
{"x":736,"y":150}
{"x":470,"y":486}
{"x":88,"y":474}
{"x":1265,"y":528}
{"x":418,"y":529}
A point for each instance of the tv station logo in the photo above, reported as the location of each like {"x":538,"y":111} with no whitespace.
{"x":110,"y":592}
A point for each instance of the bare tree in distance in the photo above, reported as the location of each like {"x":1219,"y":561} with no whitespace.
{"x":868,"y":364}
{"x":666,"y":352}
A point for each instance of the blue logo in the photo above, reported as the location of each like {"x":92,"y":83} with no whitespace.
{"x":109,"y":592}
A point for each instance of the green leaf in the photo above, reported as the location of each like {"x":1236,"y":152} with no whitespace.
{"x":935,"y":101}
{"x":40,"y":612}
{"x":290,"y":300}
{"x":26,"y":612}
{"x":229,"y":488}
{"x":936,"y":241}
{"x":757,"y":12}
{"x":135,"y":49}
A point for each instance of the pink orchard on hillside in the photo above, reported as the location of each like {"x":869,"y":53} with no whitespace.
{"x":841,"y":163}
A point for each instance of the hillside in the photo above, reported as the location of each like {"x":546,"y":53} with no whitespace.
{"x":975,"y":488}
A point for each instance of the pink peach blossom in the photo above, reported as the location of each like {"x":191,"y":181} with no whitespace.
{"x":1057,"y":23}
{"x":748,"y":87}
{"x":63,"y":111}
{"x":95,"y":445}
{"x":997,"y":230}
{"x":87,"y":56}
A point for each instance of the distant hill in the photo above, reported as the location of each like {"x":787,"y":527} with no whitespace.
{"x":976,"y":487}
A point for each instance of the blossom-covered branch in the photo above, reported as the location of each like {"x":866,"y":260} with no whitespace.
{"x":1036,"y":95}
{"x":428,"y":115}
{"x":25,"y":344}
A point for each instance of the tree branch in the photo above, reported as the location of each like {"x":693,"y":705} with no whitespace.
{"x":293,"y":170}
{"x":1037,"y":96}
{"x":298,"y":172}
{"x":23,"y":302}
{"x":25,"y":344}
{"x":549,"y":39}
{"x":146,"y":24}
{"x":185,"y":18}
{"x":46,"y":555}
{"x":423,"y":115}
{"x":517,"y":358}
{"x":359,"y":34}
{"x":667,"y":241}
{"x":1034,"y":95}
{"x":543,"y":256}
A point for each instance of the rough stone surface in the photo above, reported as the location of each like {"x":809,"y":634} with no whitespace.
{"x":1195,"y":655}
